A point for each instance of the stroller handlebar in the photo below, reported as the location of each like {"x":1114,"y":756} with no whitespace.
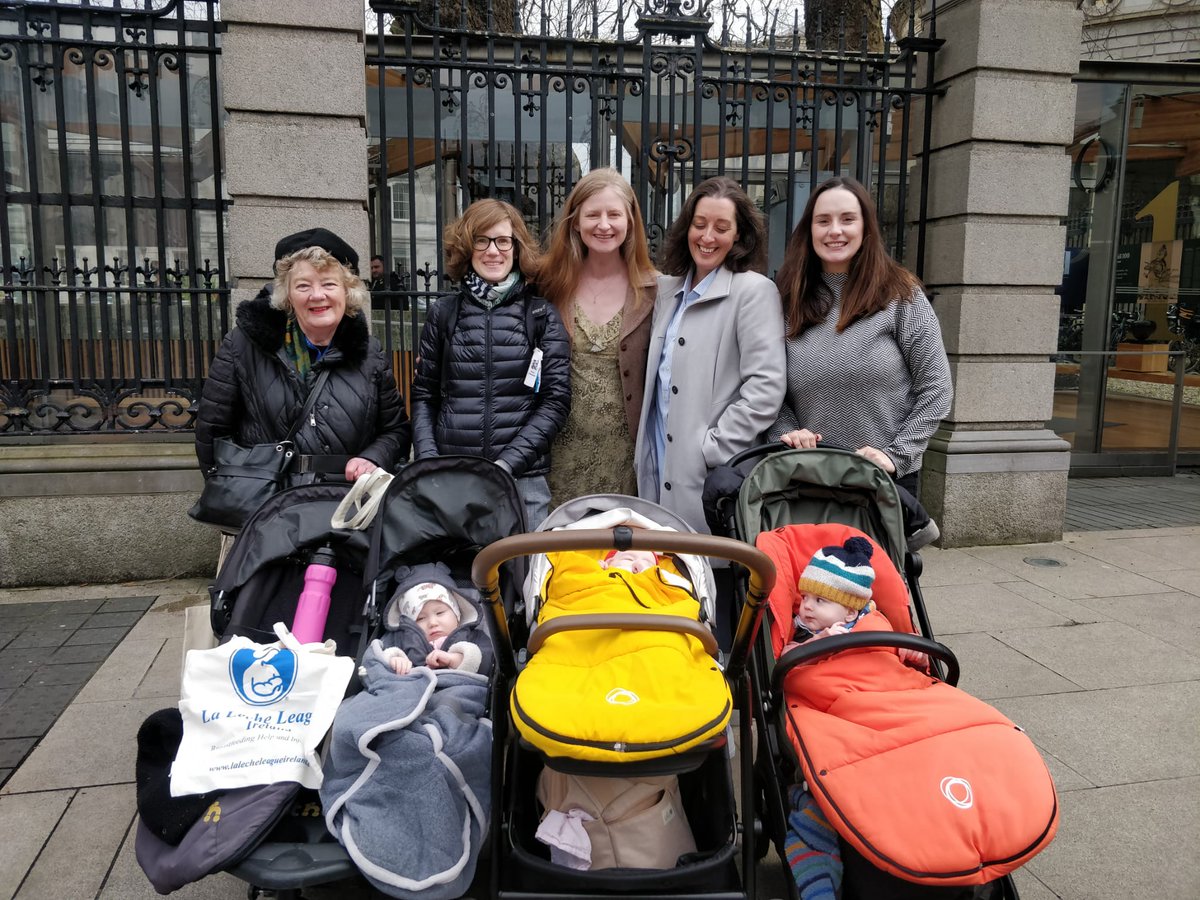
{"x":485,"y":572}
{"x":827,"y":646}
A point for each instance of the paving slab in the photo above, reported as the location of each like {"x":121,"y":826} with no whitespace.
{"x":991,"y":669}
{"x":127,"y":604}
{"x":78,"y":855}
{"x":1182,"y":579}
{"x":97,"y":738}
{"x":66,"y":673}
{"x":1065,"y":778}
{"x":1146,"y":555}
{"x":1116,"y":736}
{"x":163,"y":678}
{"x":944,"y":567}
{"x":13,"y":750}
{"x":1080,"y":576}
{"x":26,"y":822}
{"x":109,"y":636}
{"x":164,"y":619}
{"x":1173,"y":618}
{"x":1030,"y":887}
{"x":44,"y":636}
{"x":122,"y":673}
{"x":80,"y":653}
{"x":1127,"y":841}
{"x":963,"y":608}
{"x":1072,"y":610}
{"x":1103,"y":655}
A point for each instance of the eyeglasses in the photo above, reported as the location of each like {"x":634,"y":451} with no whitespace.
{"x":503,"y":243}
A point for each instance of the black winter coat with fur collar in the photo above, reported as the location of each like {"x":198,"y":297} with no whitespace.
{"x":254,"y":394}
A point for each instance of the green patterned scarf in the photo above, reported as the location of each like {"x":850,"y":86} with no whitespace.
{"x":299,"y":349}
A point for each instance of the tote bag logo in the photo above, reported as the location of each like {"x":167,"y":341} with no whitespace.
{"x":262,"y":676}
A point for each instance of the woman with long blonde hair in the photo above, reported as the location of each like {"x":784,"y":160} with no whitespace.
{"x":597,"y":272}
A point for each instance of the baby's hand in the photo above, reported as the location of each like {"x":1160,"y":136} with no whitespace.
{"x":401,"y":664}
{"x":914,"y":658}
{"x":444,"y":659}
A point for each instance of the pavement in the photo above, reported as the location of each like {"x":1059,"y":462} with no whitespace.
{"x":1091,"y":643}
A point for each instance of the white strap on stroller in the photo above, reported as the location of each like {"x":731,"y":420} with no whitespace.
{"x":359,"y":506}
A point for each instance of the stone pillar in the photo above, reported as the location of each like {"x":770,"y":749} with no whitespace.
{"x":292,"y":76}
{"x":998,"y":186}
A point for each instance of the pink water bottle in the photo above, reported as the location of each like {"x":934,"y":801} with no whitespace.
{"x":313,"y":606}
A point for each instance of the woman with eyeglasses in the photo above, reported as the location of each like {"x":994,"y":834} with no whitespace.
{"x":493,"y":379}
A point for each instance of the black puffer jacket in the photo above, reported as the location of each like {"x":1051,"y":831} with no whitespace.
{"x":254,"y":395}
{"x":487,"y":409}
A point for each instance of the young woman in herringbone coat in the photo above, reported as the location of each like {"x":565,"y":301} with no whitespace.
{"x":866,"y":366}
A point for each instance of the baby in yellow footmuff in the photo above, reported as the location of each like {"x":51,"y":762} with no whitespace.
{"x":620,"y":694}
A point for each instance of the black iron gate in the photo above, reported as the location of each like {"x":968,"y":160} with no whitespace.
{"x":465,"y":102}
{"x":112,"y":242}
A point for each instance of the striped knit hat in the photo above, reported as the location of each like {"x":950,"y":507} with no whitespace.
{"x":841,"y":574}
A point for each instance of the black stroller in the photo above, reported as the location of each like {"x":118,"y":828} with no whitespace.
{"x":441,"y":509}
{"x":834,"y":489}
{"x":521,"y":867}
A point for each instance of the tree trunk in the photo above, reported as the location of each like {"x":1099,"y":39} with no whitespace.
{"x":829,"y":14}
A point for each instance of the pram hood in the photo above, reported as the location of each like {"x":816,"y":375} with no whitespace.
{"x":293,"y":520}
{"x":606,"y":511}
{"x":822,"y":485}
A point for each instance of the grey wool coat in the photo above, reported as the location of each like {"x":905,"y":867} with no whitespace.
{"x":728,"y":381}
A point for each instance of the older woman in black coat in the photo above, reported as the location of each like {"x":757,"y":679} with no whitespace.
{"x":312,"y":319}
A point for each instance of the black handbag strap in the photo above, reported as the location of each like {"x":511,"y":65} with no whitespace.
{"x":309,"y":402}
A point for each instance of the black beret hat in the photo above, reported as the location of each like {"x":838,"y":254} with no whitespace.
{"x":318,"y":237}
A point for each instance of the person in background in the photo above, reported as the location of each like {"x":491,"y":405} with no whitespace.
{"x":494,"y":378}
{"x":597,"y":272}
{"x":381,"y":279}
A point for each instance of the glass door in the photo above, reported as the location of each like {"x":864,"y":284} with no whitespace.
{"x":1127,"y":386}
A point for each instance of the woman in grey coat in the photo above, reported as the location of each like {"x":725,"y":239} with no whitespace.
{"x":715,"y":372}
{"x":866,"y":366}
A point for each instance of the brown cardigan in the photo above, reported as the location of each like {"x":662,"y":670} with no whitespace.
{"x":635,"y":344}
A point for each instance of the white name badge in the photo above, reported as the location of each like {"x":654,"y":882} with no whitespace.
{"x":533,"y":377}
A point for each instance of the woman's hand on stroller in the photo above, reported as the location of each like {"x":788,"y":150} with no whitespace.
{"x":801,"y":439}
{"x":878,"y":457}
{"x":357,"y":466}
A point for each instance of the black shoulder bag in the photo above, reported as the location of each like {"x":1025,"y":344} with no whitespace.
{"x":243,"y":478}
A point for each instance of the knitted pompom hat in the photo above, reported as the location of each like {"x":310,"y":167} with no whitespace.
{"x":841,"y":574}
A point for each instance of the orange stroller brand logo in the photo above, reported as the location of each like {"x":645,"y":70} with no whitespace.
{"x":958,"y":792}
{"x":622,"y":697}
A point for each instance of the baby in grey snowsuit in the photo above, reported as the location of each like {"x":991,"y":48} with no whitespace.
{"x":433,"y":621}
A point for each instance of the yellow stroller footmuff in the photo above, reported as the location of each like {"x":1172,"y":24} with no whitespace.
{"x":619,"y":694}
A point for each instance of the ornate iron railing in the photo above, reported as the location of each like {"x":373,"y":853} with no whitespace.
{"x":520,"y":104}
{"x":113,"y":284}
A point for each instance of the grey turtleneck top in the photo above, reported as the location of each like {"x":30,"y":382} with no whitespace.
{"x":884,"y":382}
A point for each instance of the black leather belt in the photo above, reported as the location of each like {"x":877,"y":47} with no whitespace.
{"x":321,"y":464}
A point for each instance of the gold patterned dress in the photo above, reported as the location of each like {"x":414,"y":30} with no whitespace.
{"x":593,"y":454}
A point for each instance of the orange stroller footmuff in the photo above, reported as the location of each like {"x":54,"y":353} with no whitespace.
{"x":927,"y":782}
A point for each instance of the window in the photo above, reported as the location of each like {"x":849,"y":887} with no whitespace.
{"x":401,"y":204}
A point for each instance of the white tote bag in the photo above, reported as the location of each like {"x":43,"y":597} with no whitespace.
{"x":256,"y":713}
